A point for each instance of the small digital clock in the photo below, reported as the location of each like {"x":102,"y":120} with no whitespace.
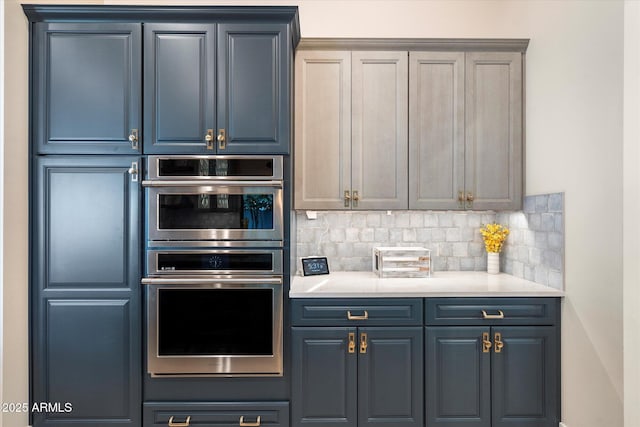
{"x":312,"y":266}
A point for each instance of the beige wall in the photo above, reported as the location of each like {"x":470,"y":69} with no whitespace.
{"x":574,"y":144}
{"x":631,"y":211}
{"x":14,"y":298}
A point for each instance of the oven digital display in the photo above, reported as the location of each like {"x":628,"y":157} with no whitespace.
{"x":215,"y":322}
{"x":215,"y":261}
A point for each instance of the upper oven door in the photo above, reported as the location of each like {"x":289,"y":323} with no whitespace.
{"x":230,"y":210}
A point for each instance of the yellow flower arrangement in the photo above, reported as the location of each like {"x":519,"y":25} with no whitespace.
{"x":494,"y":236}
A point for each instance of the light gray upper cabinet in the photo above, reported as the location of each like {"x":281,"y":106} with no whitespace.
{"x":436,"y":129}
{"x":351,"y":130}
{"x":322,"y":129}
{"x":465,"y":127}
{"x":493,"y":141}
{"x":409,"y":124}
{"x":379,"y":130}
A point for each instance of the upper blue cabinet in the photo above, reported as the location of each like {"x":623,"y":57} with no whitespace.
{"x":179,"y":88}
{"x":86,"y":97}
{"x":254,"y":71}
{"x":217,"y":80}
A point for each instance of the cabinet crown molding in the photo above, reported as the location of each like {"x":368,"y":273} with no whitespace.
{"x":476,"y":45}
{"x":85,"y":13}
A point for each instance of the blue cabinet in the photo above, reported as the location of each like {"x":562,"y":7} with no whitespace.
{"x":85,"y":290}
{"x":254,"y":93}
{"x":86,"y":88}
{"x":357,"y":375}
{"x":234,"y":102}
{"x":223,"y":414}
{"x":179,"y":88}
{"x":492,"y":373}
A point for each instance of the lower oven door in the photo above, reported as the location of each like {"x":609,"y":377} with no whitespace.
{"x":214,"y":326}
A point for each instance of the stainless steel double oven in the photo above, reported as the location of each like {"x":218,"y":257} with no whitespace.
{"x":214,"y":265}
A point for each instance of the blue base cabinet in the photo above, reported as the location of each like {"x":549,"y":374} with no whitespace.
{"x":85,"y":291}
{"x":357,"y":375}
{"x":222,"y":414}
{"x":495,"y":372}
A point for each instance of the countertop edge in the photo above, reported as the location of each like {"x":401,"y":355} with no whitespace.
{"x":443,"y":285}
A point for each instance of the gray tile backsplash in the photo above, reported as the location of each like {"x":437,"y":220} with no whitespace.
{"x":534,"y":249}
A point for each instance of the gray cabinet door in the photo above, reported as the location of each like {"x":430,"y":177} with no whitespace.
{"x":379,"y":122}
{"x":390,"y":377}
{"x":458,"y":381}
{"x":324,"y":378}
{"x":494,"y":144}
{"x":525,"y":377}
{"x":322,"y":129}
{"x":436,"y":130}
{"x":179,"y":87}
{"x":254,"y":71}
{"x":85,"y":291}
{"x":86,"y":87}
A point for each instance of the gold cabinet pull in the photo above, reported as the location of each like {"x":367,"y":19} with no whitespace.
{"x":356,"y":198}
{"x":222,"y":139}
{"x":499,"y":343}
{"x":133,"y":139}
{"x":184,"y":424}
{"x":470,"y":200}
{"x":500,"y":315}
{"x":209,"y":139}
{"x":486,"y":342}
{"x":363,"y":342}
{"x":347,"y":198}
{"x":350,"y":316}
{"x":248,"y":423}
{"x":461,"y":199}
{"x":352,"y":342}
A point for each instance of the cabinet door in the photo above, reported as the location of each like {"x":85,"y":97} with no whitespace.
{"x":323,"y":129}
{"x":179,"y":88}
{"x":436,"y":130}
{"x":493,"y":148}
{"x":390,"y":376}
{"x":254,"y":102}
{"x":86,"y":88}
{"x":85,"y":287}
{"x":379,"y":160}
{"x":458,"y":383}
{"x":525,"y":377}
{"x":324,"y":377}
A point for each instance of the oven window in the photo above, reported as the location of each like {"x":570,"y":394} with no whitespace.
{"x":215,"y":322}
{"x":215,"y":261}
{"x":215,"y":167}
{"x":215,"y":211}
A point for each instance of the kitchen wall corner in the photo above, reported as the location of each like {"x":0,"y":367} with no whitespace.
{"x":535,"y":246}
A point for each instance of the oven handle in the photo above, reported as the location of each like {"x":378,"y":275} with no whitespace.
{"x":209,"y":183}
{"x":204,"y":281}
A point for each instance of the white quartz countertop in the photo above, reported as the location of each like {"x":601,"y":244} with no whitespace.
{"x":364,"y":284}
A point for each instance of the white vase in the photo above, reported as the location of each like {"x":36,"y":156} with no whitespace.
{"x":493,"y":262}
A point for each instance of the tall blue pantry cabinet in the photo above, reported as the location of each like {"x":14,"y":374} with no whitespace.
{"x":108,"y":85}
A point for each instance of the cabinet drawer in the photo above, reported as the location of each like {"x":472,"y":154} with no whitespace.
{"x":499,"y":311}
{"x":218,"y":414}
{"x":355,"y":312}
